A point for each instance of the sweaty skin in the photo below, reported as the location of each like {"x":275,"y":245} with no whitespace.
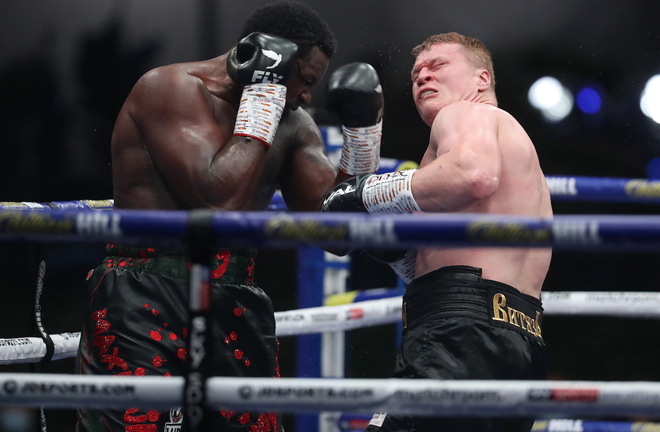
{"x":479,"y":160}
{"x":173,"y":146}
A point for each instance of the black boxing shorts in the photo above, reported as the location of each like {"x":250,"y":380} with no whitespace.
{"x":459,"y":326}
{"x":137,"y":324}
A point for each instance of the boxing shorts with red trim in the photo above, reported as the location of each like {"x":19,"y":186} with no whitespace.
{"x":459,"y":326}
{"x":137,"y":324}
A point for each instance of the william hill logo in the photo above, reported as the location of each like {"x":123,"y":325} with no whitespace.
{"x":510,"y":232}
{"x":285,"y":228}
{"x":642,"y":189}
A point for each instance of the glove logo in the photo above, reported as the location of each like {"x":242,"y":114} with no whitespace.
{"x":273,"y":56}
{"x":349,"y":188}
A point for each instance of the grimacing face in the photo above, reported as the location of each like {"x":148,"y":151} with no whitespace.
{"x":442,"y":75}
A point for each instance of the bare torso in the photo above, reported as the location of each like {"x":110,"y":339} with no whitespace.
{"x":173,"y":149}
{"x":521,"y":190}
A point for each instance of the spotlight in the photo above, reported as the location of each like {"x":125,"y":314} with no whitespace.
{"x":549,"y":96}
{"x":650,"y":101}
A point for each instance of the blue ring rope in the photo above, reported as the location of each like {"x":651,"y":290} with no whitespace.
{"x":270,"y":229}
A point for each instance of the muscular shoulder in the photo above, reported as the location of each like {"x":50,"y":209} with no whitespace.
{"x":298,"y":128}
{"x":467,"y":112}
{"x":167,"y":88}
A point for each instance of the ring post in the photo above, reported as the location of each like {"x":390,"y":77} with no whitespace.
{"x":196,"y":417}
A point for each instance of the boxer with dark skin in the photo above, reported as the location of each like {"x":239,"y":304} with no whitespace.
{"x":183,"y":141}
{"x":173,"y":148}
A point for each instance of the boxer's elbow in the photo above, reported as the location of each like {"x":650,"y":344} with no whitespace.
{"x":480,"y":184}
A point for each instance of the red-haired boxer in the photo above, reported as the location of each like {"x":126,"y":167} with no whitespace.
{"x":469,"y":313}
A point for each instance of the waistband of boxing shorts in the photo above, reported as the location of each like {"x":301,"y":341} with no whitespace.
{"x":455,"y":291}
{"x":229,"y":266}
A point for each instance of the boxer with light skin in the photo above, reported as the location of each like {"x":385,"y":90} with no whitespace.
{"x":479,"y":160}
{"x":468,"y":313}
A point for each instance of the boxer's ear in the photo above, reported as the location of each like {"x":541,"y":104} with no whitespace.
{"x":483,"y":80}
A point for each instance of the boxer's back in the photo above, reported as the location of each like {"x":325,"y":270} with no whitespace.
{"x":522,"y":190}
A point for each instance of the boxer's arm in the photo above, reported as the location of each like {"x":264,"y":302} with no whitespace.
{"x":469,"y":171}
{"x":195,"y":153}
{"x":308,"y":174}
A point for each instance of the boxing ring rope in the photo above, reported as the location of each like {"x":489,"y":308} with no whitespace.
{"x":562,"y":188}
{"x":630,"y":233}
{"x":369,"y":313}
{"x":287,"y":230}
{"x":397,"y":396}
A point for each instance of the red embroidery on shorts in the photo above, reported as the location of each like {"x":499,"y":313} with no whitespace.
{"x":158,"y":361}
{"x":122,"y":264}
{"x":172,"y":335}
{"x":141,"y":428}
{"x":250,"y":270}
{"x":237,"y":312}
{"x":233,"y":336}
{"x":244,"y":418}
{"x":124,"y":373}
{"x":153,"y":415}
{"x":103,"y":342}
{"x":227,"y":341}
{"x":146,"y":305}
{"x":273,"y":420}
{"x":155,"y":335}
{"x":114,"y":360}
{"x":185,"y":332}
{"x":182,"y":353}
{"x":227,"y":414}
{"x":154,"y":312}
{"x":129,"y":418}
{"x":167,"y":374}
{"x":238,"y":354}
{"x":140,"y":372}
{"x":102,"y":326}
{"x":247,"y":362}
{"x":222,"y":267}
{"x":263,"y":425}
{"x":277,"y":362}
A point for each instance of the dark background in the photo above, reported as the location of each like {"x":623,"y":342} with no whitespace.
{"x":67,"y":66}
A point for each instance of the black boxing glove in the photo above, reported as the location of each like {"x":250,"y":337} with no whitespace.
{"x":354,"y":194}
{"x":346,"y":196}
{"x":263,"y":65}
{"x":377,"y":193}
{"x":355,"y":95}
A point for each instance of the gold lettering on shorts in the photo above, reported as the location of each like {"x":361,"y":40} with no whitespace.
{"x":507,"y":314}
{"x":513,"y":316}
{"x":499,"y":314}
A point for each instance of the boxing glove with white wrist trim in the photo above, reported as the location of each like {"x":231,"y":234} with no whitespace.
{"x":263,"y":65}
{"x":356,"y":96}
